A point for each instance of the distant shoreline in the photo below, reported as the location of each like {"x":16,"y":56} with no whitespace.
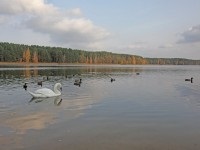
{"x":77,"y":64}
{"x":39,"y":64}
{"x":26,"y":64}
{"x":53,"y":64}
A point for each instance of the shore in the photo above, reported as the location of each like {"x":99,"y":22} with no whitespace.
{"x":55,"y":64}
{"x":34,"y":64}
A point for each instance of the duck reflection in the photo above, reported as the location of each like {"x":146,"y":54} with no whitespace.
{"x":57,"y":100}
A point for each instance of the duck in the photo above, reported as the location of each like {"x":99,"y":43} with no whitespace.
{"x":112,"y":79}
{"x":78,"y":82}
{"x":25,"y":86}
{"x":45,"y":92}
{"x":46,"y":78}
{"x":191,"y":79}
{"x":40,"y":83}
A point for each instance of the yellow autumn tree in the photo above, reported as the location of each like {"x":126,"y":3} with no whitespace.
{"x":144,"y":61}
{"x":133,"y":60}
{"x":35,"y":57}
{"x":26,"y":56}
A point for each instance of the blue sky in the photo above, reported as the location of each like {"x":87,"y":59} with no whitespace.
{"x":149,"y":28}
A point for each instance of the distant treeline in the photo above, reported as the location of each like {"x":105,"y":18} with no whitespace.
{"x":10,"y":52}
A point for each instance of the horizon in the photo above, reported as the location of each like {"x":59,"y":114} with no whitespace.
{"x":150,"y":29}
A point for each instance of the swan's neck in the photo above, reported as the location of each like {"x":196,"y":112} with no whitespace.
{"x":56,"y":90}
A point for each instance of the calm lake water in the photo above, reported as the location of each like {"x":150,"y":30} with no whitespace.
{"x":155,"y":110}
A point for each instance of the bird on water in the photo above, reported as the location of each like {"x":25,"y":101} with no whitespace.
{"x":191,"y":79}
{"x":78,"y":82}
{"x":40,"y":83}
{"x":25,"y":86}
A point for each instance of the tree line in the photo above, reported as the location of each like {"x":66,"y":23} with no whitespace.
{"x":10,"y":52}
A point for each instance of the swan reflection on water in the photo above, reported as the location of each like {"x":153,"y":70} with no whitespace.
{"x":57,"y":100}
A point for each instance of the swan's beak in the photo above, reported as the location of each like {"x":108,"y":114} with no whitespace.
{"x":61,"y":88}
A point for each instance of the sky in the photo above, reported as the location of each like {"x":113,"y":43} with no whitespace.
{"x":148,"y":28}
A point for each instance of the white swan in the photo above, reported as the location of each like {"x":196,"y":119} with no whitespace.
{"x":44,"y":92}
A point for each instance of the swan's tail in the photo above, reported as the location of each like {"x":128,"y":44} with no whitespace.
{"x":34,"y":95}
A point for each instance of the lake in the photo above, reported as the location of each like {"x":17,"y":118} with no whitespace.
{"x":145,"y":108}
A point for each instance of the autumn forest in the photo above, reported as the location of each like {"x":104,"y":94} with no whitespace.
{"x":20,"y":53}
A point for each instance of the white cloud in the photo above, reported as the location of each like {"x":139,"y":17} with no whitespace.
{"x":14,"y":7}
{"x":137,"y":45}
{"x":76,"y":12}
{"x":192,"y":35}
{"x":69,"y":27}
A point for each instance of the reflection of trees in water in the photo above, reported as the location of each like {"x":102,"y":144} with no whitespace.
{"x":10,"y":74}
{"x":33,"y":74}
{"x":27,"y":72}
{"x":37,"y":71}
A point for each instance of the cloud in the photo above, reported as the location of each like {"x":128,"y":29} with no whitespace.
{"x":3,"y":19}
{"x":137,"y":45}
{"x":16,"y":7}
{"x":63,"y":27}
{"x":76,"y":12}
{"x":67,"y":29}
{"x":192,"y":35}
{"x":166,"y":46}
